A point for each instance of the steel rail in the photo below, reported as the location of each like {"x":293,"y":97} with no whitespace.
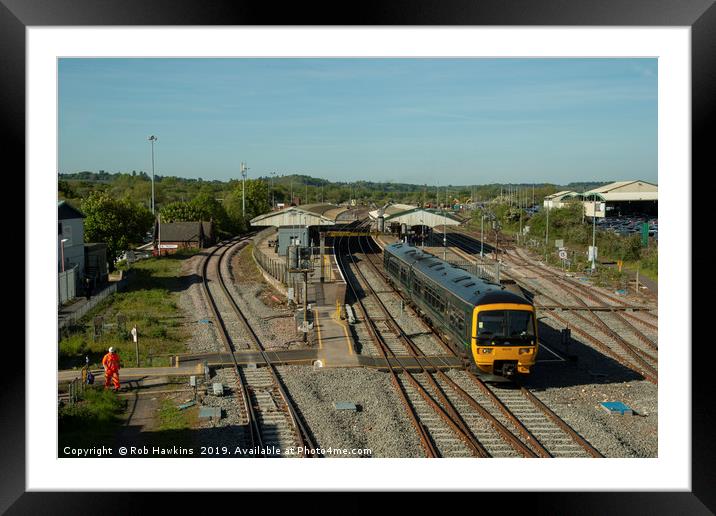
{"x":300,"y":428}
{"x":504,"y":432}
{"x":423,"y":434}
{"x":416,"y":353}
{"x":526,"y":434}
{"x":254,"y":432}
{"x":643,"y":367}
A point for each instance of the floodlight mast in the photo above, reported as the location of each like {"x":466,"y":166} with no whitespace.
{"x":152,"y":139}
{"x":244,"y":168}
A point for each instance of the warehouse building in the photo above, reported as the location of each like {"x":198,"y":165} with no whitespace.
{"x":621,"y":199}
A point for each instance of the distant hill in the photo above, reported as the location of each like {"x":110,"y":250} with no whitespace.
{"x":137,"y":184}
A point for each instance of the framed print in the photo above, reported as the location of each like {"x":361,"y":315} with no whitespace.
{"x":337,"y":163}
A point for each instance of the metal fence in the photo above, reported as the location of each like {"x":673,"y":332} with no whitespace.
{"x":276,"y":267}
{"x":69,"y":319}
{"x":75,"y":390}
{"x":67,"y":284}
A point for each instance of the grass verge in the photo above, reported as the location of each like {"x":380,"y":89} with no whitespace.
{"x":92,"y":421}
{"x":150,"y":302}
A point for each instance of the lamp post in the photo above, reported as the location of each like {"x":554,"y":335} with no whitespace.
{"x":273,"y":193}
{"x":482,"y":235}
{"x":546,"y":234}
{"x":152,"y":139}
{"x":244,"y":168}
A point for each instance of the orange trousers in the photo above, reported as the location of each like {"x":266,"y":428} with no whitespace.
{"x":111,"y":375}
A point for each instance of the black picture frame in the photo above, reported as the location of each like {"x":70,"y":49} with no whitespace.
{"x":700,"y":15}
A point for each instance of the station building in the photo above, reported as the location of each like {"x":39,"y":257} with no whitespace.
{"x":621,"y":199}
{"x":406,"y":219}
{"x":303,"y":224}
{"x":169,"y":237}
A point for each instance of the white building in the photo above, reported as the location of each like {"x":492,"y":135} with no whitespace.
{"x":70,"y":237}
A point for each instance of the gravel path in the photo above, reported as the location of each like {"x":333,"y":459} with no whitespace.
{"x":381,"y":423}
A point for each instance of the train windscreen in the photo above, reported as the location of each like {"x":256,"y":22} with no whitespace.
{"x":503,"y":325}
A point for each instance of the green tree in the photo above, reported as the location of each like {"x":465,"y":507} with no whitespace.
{"x":257,"y":202}
{"x":118,"y":223}
{"x":182,"y":212}
{"x":206,"y":204}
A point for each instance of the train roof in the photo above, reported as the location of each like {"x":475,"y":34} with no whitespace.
{"x":467,"y":286}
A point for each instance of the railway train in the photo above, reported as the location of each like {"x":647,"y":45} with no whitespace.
{"x":493,"y":329}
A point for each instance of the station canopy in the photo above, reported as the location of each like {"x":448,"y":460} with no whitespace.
{"x":414,"y":216}
{"x":305,"y":215}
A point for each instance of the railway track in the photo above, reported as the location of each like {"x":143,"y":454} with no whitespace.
{"x":561,"y":439}
{"x":630,"y":347}
{"x":455,"y":422}
{"x":271,"y":419}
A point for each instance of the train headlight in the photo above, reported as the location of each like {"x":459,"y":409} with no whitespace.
{"x":525,"y":351}
{"x":486,"y":351}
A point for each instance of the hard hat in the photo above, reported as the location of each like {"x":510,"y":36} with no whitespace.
{"x":111,"y":349}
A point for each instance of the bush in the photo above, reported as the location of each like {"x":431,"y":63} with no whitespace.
{"x":74,"y":346}
{"x":96,"y":406}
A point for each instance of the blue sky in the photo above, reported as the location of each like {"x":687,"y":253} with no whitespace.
{"x":452,"y":121}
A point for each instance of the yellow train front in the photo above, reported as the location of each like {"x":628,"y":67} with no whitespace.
{"x":492,"y":328}
{"x":503,"y":340}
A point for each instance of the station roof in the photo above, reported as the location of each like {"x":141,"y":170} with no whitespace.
{"x":306,"y":215}
{"x":557,"y":196}
{"x":414,"y":216}
{"x":635,"y":190}
{"x":180,"y":231}
{"x":391,"y":209}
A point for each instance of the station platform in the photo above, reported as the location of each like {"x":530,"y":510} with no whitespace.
{"x":326,"y":293}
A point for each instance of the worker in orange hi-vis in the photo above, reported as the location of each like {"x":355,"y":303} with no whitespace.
{"x":110,"y":362}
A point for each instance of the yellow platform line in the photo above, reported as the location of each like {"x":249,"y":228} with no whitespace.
{"x":348,"y":339}
{"x":318,"y":328}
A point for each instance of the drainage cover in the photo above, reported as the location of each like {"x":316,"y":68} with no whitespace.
{"x":345,"y":405}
